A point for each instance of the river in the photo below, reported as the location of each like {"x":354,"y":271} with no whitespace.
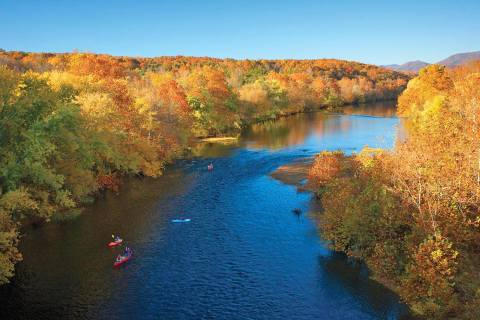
{"x":244,"y":255}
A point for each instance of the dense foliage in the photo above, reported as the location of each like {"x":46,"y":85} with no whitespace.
{"x":413,"y":213}
{"x":224,"y":94}
{"x":73,"y":124}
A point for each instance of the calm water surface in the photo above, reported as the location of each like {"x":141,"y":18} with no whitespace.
{"x":244,"y":255}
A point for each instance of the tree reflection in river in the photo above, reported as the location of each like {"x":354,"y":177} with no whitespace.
{"x":294,"y":130}
{"x":353,"y":275}
{"x":385,"y":109}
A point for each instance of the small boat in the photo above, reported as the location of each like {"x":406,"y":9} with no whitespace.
{"x":115,"y":242}
{"x":210,"y":167}
{"x":121,"y":259}
{"x":181,"y":220}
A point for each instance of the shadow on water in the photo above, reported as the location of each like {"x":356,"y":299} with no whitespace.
{"x":376,"y":109}
{"x":67,"y":267}
{"x":214,"y":150}
{"x":353,"y":275}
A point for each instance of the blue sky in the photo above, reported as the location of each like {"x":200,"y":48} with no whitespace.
{"x":379,"y":32}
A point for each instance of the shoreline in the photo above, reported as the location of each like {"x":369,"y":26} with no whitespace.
{"x":231,"y":135}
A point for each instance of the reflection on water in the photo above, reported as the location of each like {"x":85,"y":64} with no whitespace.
{"x":214,"y":149}
{"x":296,"y":129}
{"x":244,"y":255}
{"x":384,"y":109}
{"x":299,"y":128}
{"x":293,"y":130}
{"x":353,"y":275}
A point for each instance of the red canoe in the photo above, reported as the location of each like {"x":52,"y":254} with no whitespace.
{"x":124,"y":259}
{"x":115,"y":243}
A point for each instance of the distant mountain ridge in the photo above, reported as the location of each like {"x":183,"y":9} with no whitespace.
{"x":460,"y":58}
{"x":408,"y":66}
{"x":450,"y":62}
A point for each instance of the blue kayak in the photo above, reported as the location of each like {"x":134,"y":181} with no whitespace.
{"x":181,"y":220}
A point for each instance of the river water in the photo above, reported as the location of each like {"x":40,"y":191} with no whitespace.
{"x":244,"y":255}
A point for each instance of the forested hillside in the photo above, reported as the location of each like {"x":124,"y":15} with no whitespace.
{"x":72,"y":124}
{"x":413,"y":213}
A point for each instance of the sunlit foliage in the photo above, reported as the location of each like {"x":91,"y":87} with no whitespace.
{"x":413,"y":213}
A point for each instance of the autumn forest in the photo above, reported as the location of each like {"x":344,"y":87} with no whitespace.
{"x":74,"y":125}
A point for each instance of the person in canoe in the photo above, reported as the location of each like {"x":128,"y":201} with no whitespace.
{"x":122,"y":258}
{"x":116,"y":241}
